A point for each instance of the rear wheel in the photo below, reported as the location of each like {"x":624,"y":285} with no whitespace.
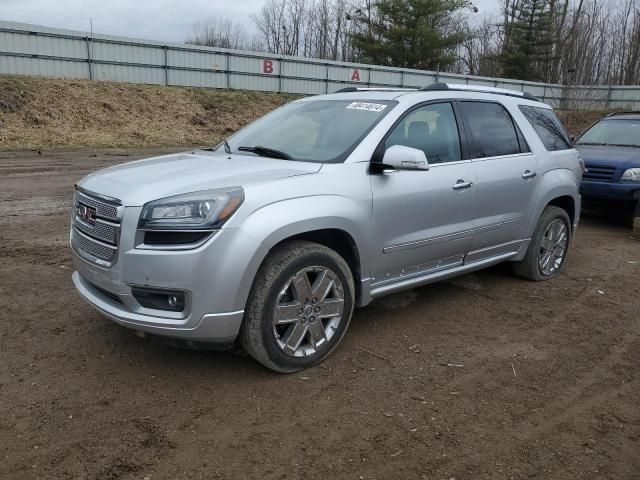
{"x":299,"y":308}
{"x":547,"y":251}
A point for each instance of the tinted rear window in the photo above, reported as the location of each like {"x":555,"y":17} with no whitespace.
{"x":548,"y":127}
{"x":492,"y":129}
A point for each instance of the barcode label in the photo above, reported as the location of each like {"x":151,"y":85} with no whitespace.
{"x":370,"y":107}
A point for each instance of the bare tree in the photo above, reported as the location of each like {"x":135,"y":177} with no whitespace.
{"x":272,"y":25}
{"x":311,"y":28}
{"x":477,"y":54}
{"x":604,"y":45}
{"x":216,"y":32}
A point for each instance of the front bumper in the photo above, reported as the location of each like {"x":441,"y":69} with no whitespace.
{"x":215,"y":328}
{"x":215,"y":277}
{"x":607,"y":191}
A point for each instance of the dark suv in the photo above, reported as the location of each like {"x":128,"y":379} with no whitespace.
{"x":610,"y":149}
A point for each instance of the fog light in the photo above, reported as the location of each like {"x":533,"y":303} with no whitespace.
{"x":172,"y":301}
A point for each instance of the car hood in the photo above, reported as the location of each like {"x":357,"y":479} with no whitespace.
{"x":136,"y":183}
{"x":620,"y":157}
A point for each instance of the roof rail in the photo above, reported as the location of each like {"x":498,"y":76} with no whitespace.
{"x":376,"y":89}
{"x":440,"y":86}
{"x":629,"y":112}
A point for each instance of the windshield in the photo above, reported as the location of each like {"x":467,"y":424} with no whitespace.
{"x":315,"y":131}
{"x":615,"y":132}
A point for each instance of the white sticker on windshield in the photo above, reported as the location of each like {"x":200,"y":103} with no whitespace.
{"x":370,"y":107}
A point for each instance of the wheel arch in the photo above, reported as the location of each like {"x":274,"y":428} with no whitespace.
{"x":332,"y":221}
{"x":558,"y":188}
{"x":567,"y":203}
{"x":341,"y":242}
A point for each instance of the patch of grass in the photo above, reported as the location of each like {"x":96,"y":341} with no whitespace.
{"x":44,"y":113}
{"x":230,"y":108}
{"x":13,"y":93}
{"x":230,"y":100}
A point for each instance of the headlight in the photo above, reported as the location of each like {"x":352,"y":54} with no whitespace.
{"x":206,"y":210}
{"x":633,"y":175}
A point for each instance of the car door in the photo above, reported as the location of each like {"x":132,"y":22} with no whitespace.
{"x":506,"y":178}
{"x":423,"y":220}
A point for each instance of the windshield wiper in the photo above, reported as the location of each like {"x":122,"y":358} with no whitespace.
{"x":594,"y":144}
{"x":266,"y":152}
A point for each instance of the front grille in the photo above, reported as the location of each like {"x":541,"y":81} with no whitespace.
{"x":101,"y":230}
{"x":601,"y":173}
{"x":105,"y":209}
{"x":96,"y":238}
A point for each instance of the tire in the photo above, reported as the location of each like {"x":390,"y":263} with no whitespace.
{"x":532,"y":265}
{"x":280,"y":283}
{"x":635,"y":214}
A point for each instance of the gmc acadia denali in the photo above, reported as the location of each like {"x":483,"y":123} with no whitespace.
{"x":273,"y":237}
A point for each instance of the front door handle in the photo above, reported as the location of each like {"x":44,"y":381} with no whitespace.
{"x":460,"y":184}
{"x":529,"y":174}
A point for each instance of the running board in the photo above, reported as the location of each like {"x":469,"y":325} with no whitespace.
{"x":438,"y":276}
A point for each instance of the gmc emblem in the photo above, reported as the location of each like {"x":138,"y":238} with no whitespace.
{"x":87,"y":214}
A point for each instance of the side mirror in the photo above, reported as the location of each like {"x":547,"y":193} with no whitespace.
{"x":399,"y":157}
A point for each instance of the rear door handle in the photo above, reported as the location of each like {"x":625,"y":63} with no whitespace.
{"x":529,"y":174}
{"x":460,"y":184}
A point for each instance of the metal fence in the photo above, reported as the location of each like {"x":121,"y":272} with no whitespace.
{"x":27,"y":49}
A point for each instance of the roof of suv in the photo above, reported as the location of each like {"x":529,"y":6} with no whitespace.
{"x":623,"y":116}
{"x":438,"y":89}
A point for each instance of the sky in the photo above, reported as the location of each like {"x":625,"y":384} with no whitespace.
{"x":164,"y":20}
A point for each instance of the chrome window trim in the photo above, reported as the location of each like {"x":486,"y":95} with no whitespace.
{"x":498,"y":157}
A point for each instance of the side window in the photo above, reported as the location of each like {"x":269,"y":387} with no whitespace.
{"x":548,"y":127}
{"x":432,"y":129}
{"x":492,"y":130}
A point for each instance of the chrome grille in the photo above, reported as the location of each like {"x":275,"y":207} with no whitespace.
{"x":602,"y":173}
{"x":96,"y":238}
{"x":105,"y":209}
{"x":103,"y":231}
{"x":94,"y":248}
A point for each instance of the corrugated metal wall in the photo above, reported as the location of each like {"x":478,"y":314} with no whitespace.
{"x":36,"y":50}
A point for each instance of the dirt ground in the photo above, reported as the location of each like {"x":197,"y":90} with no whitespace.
{"x":484,"y":377}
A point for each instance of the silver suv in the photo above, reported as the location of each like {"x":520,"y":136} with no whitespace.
{"x":273,"y":237}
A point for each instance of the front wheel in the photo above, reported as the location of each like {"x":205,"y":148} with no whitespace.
{"x":547,"y":251}
{"x":299,"y":308}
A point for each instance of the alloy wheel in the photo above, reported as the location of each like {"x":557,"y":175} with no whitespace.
{"x":553,"y":247}
{"x":308,"y":311}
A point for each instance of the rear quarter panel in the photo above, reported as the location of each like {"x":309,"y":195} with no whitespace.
{"x":559,"y":171}
{"x":560,"y":175}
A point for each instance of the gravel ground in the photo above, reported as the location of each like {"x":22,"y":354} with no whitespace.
{"x":486,"y":376}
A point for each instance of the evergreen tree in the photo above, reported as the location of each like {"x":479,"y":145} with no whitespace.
{"x":419,"y":34}
{"x":528,"y":47}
